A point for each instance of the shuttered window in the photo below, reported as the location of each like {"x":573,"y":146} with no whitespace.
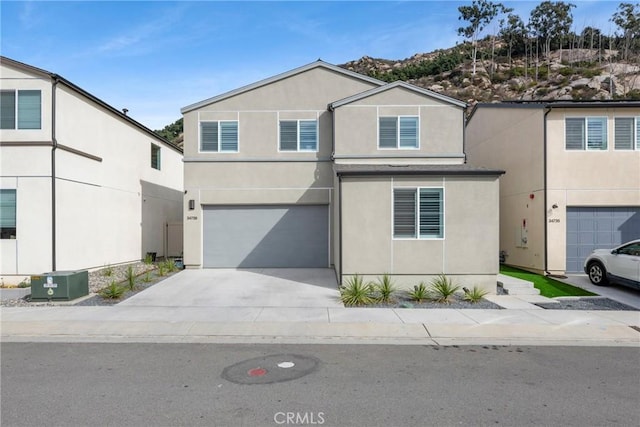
{"x":8,"y":214}
{"x":26,"y":113}
{"x":418,"y":213}
{"x":298,"y":135}
{"x":586,"y":133}
{"x":398,"y":132}
{"x":626,"y":133}
{"x":219,"y":136}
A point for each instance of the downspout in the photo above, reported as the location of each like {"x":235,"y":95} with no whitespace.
{"x":544,"y":189}
{"x":340,"y":228}
{"x":464,"y":134}
{"x":54,"y":141}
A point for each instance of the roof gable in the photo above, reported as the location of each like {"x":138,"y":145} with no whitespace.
{"x":396,"y":84}
{"x":279,"y":77}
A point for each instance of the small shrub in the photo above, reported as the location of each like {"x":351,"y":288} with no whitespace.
{"x":108,"y":271}
{"x":113,"y":291}
{"x":25,"y":283}
{"x":131,"y":278}
{"x":385,"y":288}
{"x":442,"y":289}
{"x":356,"y":293}
{"x":147,"y":277}
{"x":148,"y":259}
{"x":170,"y":265}
{"x":162,"y":269}
{"x":474,"y":295}
{"x":419,"y":293}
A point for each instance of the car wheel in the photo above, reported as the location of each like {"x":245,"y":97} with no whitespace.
{"x":597,"y":274}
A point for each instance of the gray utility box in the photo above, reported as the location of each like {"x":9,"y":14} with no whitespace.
{"x":60,"y":286}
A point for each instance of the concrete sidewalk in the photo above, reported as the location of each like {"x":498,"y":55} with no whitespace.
{"x":123,"y":323}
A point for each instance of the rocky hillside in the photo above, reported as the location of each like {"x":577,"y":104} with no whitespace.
{"x":578,"y":74}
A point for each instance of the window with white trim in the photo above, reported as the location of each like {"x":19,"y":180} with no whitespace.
{"x":155,"y":156}
{"x":586,"y":133}
{"x":298,"y":135}
{"x":20,"y":109}
{"x":7,"y":214}
{"x":418,"y":213}
{"x":398,"y":132}
{"x":220,"y":136}
{"x":627,"y":133}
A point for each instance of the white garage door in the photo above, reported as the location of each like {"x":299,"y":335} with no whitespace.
{"x":283,"y":236}
{"x":590,"y":228}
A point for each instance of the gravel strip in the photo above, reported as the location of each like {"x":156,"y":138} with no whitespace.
{"x":588,"y":303}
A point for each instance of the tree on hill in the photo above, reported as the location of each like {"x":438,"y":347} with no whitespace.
{"x":627,"y":17}
{"x":478,"y":15}
{"x":172,"y":131}
{"x":550,"y":22}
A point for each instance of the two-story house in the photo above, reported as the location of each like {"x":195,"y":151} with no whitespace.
{"x":82,"y":184}
{"x":323,"y":167}
{"x":572,"y":180}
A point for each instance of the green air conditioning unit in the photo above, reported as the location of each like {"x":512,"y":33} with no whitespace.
{"x":60,"y":286}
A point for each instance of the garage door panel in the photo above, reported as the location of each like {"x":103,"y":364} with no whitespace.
{"x":266,"y":236}
{"x":589,"y":228}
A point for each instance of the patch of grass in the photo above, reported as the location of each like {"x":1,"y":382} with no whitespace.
{"x":442,"y":289}
{"x":548,"y":287}
{"x":355,"y":292}
{"x":419,"y":293}
{"x":385,"y":288}
{"x":113,"y":291}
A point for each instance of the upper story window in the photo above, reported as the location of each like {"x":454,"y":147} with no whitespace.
{"x":7,"y":214}
{"x":627,"y":133}
{"x":398,"y":132}
{"x":155,"y":156}
{"x":298,"y":135}
{"x":418,"y":213}
{"x":221,"y":136}
{"x":20,"y":109}
{"x":586,"y":133}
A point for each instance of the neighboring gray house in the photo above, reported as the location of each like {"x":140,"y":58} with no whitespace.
{"x":82,"y":185}
{"x":572,"y":180}
{"x":324,"y":167}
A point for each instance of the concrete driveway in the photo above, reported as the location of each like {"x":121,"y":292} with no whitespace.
{"x":619,"y":293}
{"x":263,"y":287}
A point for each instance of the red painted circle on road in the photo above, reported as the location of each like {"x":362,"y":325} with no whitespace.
{"x":256,"y":372}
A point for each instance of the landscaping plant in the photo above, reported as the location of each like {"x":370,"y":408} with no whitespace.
{"x":108,"y":271}
{"x":161,"y":269}
{"x":419,"y":293}
{"x":131,"y":278}
{"x":385,"y":288}
{"x":147,"y":277}
{"x":148,"y":259}
{"x":474,"y":295}
{"x":356,"y":293}
{"x":442,"y":289}
{"x":113,"y":291}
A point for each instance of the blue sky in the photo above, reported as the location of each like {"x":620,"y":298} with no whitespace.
{"x":155,"y":57}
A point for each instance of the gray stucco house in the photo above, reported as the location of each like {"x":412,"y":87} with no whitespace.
{"x":324,"y":167}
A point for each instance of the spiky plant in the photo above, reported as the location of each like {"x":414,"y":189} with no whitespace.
{"x":474,"y":295}
{"x":147,"y":277}
{"x":161,"y":269}
{"x":130,"y":278}
{"x":385,"y":288}
{"x":419,"y":292}
{"x":148,"y":259}
{"x":108,"y":271}
{"x":113,"y":291}
{"x":355,"y":292}
{"x":442,"y":289}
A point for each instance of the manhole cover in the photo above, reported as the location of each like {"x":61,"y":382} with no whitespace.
{"x":270,"y":369}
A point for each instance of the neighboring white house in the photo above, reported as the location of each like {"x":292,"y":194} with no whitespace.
{"x":82,"y":185}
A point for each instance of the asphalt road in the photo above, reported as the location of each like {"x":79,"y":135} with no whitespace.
{"x":47,"y":384}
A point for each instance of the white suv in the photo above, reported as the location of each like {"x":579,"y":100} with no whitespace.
{"x":620,"y":265}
